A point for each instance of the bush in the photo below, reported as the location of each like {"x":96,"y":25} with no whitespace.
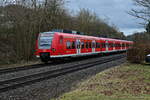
{"x":138,"y":52}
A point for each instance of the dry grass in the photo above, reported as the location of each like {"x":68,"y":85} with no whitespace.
{"x":126,"y":82}
{"x":22,"y":63}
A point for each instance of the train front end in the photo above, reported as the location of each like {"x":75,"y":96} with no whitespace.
{"x":44,"y":46}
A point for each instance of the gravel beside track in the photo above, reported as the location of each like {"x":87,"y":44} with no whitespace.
{"x":46,"y":67}
{"x":54,"y":87}
{"x":33,"y":69}
{"x":5,"y":70}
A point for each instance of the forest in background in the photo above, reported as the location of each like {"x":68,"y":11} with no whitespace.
{"x":22,"y":20}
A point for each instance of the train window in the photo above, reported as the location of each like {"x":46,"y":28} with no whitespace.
{"x":103,"y":45}
{"x":93,"y":45}
{"x":114,"y":45}
{"x":127,"y":45}
{"x":82,"y":45}
{"x":68,"y":45}
{"x":90,"y":45}
{"x":119,"y":45}
{"x":111,"y":45}
{"x":123,"y":45}
{"x":73,"y":45}
{"x":97,"y":45}
{"x":87,"y":45}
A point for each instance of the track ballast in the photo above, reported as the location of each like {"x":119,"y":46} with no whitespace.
{"x":14,"y":83}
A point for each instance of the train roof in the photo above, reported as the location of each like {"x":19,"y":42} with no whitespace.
{"x":92,"y":37}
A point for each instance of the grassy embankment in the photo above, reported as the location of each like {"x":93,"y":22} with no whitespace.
{"x":125,"y":82}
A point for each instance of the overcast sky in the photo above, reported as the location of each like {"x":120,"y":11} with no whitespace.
{"x":115,"y":11}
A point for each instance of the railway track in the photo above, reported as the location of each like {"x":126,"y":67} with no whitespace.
{"x":14,"y":83}
{"x":23,"y":68}
{"x":16,"y":69}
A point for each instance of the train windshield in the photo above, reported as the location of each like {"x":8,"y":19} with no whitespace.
{"x":45,"y":40}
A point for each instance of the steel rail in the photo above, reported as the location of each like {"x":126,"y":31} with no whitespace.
{"x":28,"y":67}
{"x":30,"y":79}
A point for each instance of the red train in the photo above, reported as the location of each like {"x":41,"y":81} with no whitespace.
{"x":57,"y":45}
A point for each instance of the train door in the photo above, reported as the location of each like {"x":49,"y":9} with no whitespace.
{"x":93,"y":45}
{"x":121,"y":46}
{"x":78,"y":47}
{"x":125,"y":46}
{"x":107,"y":45}
{"x":114,"y":46}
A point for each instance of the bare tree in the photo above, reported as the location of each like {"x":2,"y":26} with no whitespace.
{"x":148,"y":27}
{"x":27,"y":18}
{"x":143,"y":10}
{"x":22,"y":20}
{"x":91,"y":24}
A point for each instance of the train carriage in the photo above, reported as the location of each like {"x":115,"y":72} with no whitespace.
{"x":57,"y":45}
